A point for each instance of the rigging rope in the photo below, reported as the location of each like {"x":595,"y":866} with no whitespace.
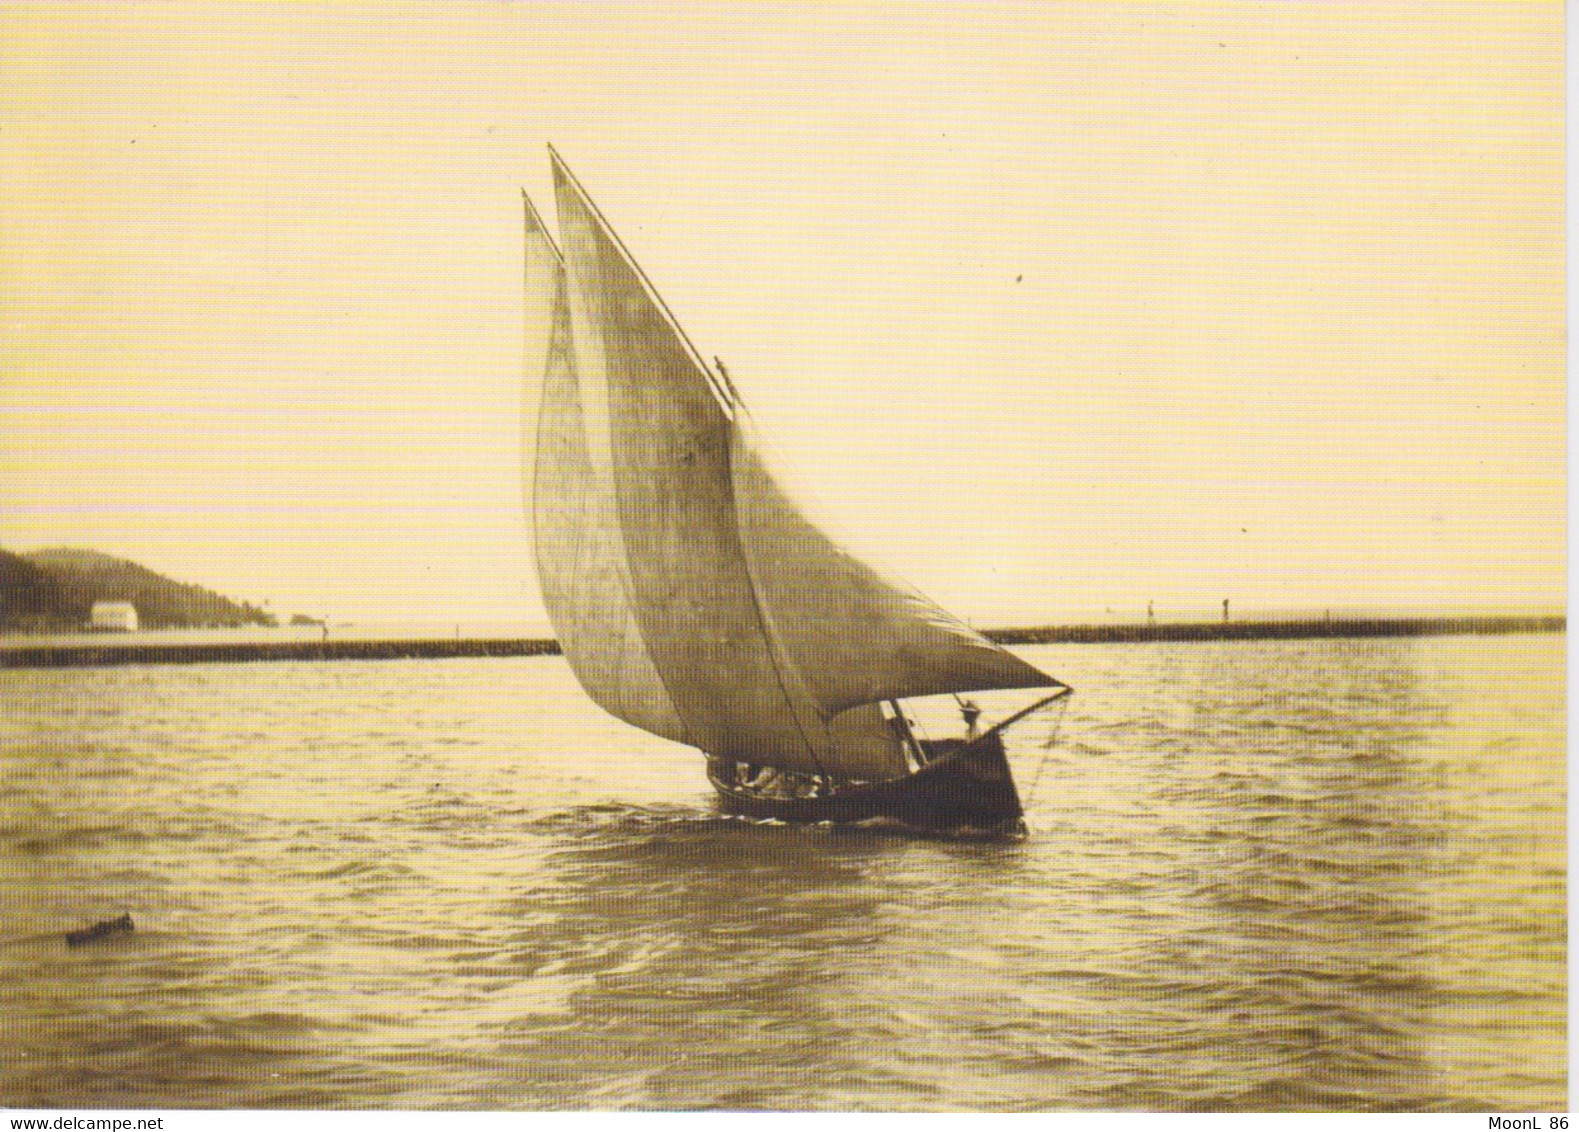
{"x":1047,"y":750}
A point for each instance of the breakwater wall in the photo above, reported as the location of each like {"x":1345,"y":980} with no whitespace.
{"x":220,"y":652}
{"x":1277,"y":630}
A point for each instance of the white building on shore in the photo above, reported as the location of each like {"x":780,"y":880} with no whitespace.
{"x":113,"y":615}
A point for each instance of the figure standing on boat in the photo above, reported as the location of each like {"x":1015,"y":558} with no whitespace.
{"x":972,"y":713}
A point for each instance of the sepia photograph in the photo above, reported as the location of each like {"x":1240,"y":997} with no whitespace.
{"x":858,"y":558}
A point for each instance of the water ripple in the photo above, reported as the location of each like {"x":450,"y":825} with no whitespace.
{"x":1295,"y":875}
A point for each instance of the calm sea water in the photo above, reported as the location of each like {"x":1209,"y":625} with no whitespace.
{"x":1297,"y":875}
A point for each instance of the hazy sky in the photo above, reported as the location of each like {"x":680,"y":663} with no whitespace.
{"x":1052,"y":308}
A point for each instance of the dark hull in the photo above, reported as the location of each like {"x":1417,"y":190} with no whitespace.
{"x":963,"y":786}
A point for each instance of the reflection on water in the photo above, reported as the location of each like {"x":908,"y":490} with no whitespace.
{"x":1324,"y":875}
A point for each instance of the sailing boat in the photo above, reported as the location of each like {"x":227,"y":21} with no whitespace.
{"x":694,"y":599}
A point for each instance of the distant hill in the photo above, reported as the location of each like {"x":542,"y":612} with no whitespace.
{"x":28,"y":591}
{"x":56,"y":589}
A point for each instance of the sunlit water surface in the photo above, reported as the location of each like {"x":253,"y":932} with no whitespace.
{"x":1299,"y":875}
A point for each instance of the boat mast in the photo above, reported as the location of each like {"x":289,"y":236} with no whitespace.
{"x":907,"y":734}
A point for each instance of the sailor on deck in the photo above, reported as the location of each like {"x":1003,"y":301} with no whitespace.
{"x":971,"y":713}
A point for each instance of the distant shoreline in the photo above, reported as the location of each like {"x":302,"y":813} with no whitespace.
{"x":129,"y":651}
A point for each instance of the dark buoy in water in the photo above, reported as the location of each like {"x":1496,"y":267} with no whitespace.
{"x":100,"y":930}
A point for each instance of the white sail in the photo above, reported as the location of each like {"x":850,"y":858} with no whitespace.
{"x":770,"y":643}
{"x":666,"y":433}
{"x":580,"y":554}
{"x":857,"y":636}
